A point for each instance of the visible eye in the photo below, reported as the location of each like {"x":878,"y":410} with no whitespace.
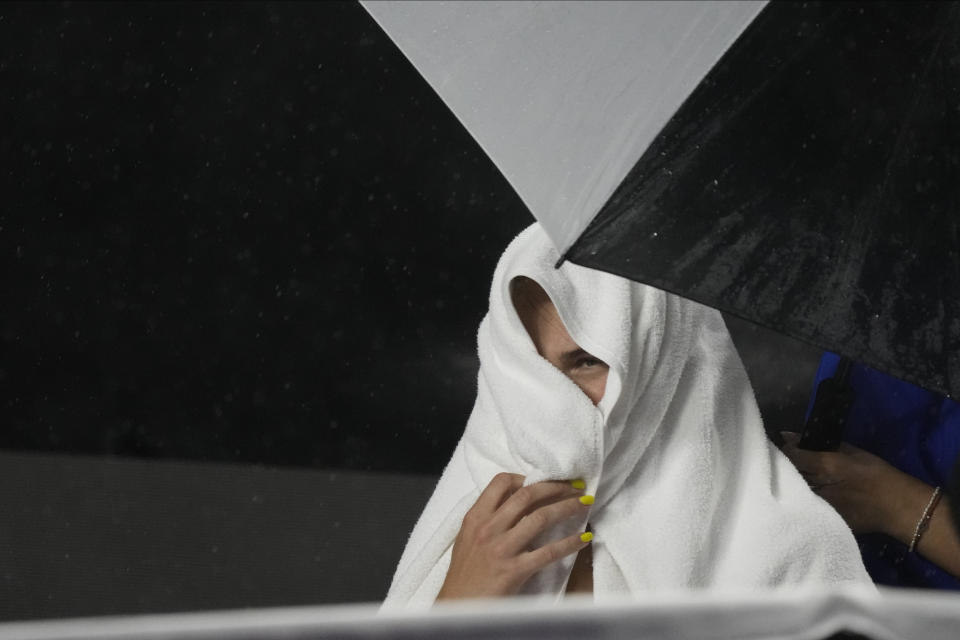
{"x":589,"y":361}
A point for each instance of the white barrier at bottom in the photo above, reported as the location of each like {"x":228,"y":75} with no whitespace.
{"x":890,"y":614}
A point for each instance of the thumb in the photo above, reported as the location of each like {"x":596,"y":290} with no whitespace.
{"x":790,"y":438}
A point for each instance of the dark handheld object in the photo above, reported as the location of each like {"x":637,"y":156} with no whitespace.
{"x":828,"y":418}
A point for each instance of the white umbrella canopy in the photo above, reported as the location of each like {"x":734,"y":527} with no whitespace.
{"x":564,"y":96}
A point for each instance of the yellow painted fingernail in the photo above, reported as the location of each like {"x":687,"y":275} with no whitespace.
{"x":586,"y":536}
{"x":578,"y":484}
{"x":586,"y":499}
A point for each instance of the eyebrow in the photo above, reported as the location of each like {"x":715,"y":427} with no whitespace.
{"x":573,"y":354}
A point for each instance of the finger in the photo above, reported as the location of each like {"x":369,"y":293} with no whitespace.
{"x":849,"y":449}
{"x":534,"y":524}
{"x":790,"y":438}
{"x":821,"y":480}
{"x":500,"y":488}
{"x":533,"y":561}
{"x":807,"y":462}
{"x":828,"y":485}
{"x":811,"y":482}
{"x":827,"y":491}
{"x":528,"y":499}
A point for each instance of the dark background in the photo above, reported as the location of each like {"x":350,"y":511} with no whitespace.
{"x":244,"y":232}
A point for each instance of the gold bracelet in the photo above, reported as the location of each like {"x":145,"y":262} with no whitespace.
{"x":924,"y":521}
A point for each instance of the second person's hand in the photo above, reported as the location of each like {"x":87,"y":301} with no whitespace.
{"x":862,"y":487}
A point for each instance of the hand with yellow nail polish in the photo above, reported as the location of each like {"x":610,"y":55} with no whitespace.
{"x":492,"y":555}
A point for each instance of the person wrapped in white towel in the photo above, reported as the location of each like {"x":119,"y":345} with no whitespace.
{"x":615,"y":447}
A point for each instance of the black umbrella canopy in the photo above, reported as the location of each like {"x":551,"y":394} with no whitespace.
{"x":810,"y":184}
{"x":794,"y":164}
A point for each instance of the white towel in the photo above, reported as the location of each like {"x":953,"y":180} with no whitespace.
{"x":690,"y":493}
